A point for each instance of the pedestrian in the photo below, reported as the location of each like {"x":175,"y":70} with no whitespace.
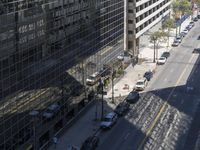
{"x":55,"y":141}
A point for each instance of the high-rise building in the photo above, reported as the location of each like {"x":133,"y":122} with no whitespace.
{"x":47,"y":49}
{"x":140,"y":17}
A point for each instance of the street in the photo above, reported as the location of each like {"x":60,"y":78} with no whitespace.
{"x":161,"y":119}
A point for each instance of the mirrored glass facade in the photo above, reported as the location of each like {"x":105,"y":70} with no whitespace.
{"x":47,"y":50}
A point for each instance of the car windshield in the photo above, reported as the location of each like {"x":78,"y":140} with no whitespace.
{"x":106,"y":119}
{"x":140,"y":83}
{"x":91,"y":78}
{"x":162,"y":58}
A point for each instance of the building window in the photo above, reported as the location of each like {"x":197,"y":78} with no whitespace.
{"x":130,"y":11}
{"x":130,"y":44}
{"x":130,"y":32}
{"x":130,"y":21}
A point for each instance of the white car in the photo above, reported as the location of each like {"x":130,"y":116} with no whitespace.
{"x":109,"y":120}
{"x":161,"y":60}
{"x":175,"y":43}
{"x":185,"y":31}
{"x":120,"y":57}
{"x":141,"y":84}
{"x":93,"y":79}
{"x":178,"y":38}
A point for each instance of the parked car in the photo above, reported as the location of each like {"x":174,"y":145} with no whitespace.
{"x":189,"y":27}
{"x":196,"y":50}
{"x":148,"y":75}
{"x":179,"y":38}
{"x":122,"y":108}
{"x":165,"y":54}
{"x":185,"y":31}
{"x":132,"y":97}
{"x":195,"y":19}
{"x":161,"y":61}
{"x":183,"y":34}
{"x":90,"y":143}
{"x":109,"y":120}
{"x":198,"y":37}
{"x":93,"y":79}
{"x":192,"y":23}
{"x":175,"y":43}
{"x":51,"y":111}
{"x":141,"y":84}
{"x":120,"y":57}
{"x":198,"y":16}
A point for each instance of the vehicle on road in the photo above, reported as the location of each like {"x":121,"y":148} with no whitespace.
{"x":161,"y":60}
{"x":122,"y":108}
{"x":179,"y":39}
{"x":196,"y":50}
{"x":133,"y":97}
{"x":183,"y":34}
{"x":198,"y":16}
{"x":109,"y":120}
{"x":165,"y":54}
{"x":175,"y":43}
{"x":91,"y":143}
{"x":192,"y":23}
{"x":141,"y":84}
{"x":148,"y":75}
{"x":185,"y":31}
{"x":120,"y":57}
{"x":198,"y":38}
{"x":195,"y":19}
{"x":51,"y":111}
{"x":93,"y":79}
{"x":189,"y":27}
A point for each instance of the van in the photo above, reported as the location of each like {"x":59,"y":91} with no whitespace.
{"x":93,"y":79}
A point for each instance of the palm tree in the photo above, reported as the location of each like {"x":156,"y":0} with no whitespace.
{"x":155,"y":38}
{"x":168,"y":24}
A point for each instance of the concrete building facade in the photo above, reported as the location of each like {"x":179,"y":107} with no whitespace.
{"x":141,"y":16}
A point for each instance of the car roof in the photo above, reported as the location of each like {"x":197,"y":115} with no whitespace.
{"x":141,"y":80}
{"x":95,"y":74}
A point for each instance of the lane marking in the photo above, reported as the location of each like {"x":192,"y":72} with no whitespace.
{"x":164,"y":105}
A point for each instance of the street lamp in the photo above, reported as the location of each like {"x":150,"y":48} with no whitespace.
{"x":34,"y":114}
{"x":154,"y":38}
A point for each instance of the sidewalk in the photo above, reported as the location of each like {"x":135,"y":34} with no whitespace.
{"x":86,"y":126}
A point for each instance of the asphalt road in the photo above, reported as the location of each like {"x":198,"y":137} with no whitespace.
{"x":163,"y":117}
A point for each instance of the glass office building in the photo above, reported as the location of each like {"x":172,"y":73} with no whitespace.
{"x":47,"y":49}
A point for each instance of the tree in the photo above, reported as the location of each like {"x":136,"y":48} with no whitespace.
{"x":180,"y":8}
{"x":168,"y":24}
{"x":156,"y":38}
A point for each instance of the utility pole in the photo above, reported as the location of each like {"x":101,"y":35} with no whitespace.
{"x":112,"y":82}
{"x":102,"y":106}
{"x":154,"y":47}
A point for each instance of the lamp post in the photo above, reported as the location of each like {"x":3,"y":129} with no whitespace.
{"x":34,"y":115}
{"x":154,"y":48}
{"x":102,"y":106}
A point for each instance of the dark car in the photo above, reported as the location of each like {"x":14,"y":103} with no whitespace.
{"x":165,"y":54}
{"x":198,"y":37}
{"x":195,"y":19}
{"x":90,"y":143}
{"x":132,"y":97}
{"x":148,"y":75}
{"x":122,"y":108}
{"x":196,"y":50}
